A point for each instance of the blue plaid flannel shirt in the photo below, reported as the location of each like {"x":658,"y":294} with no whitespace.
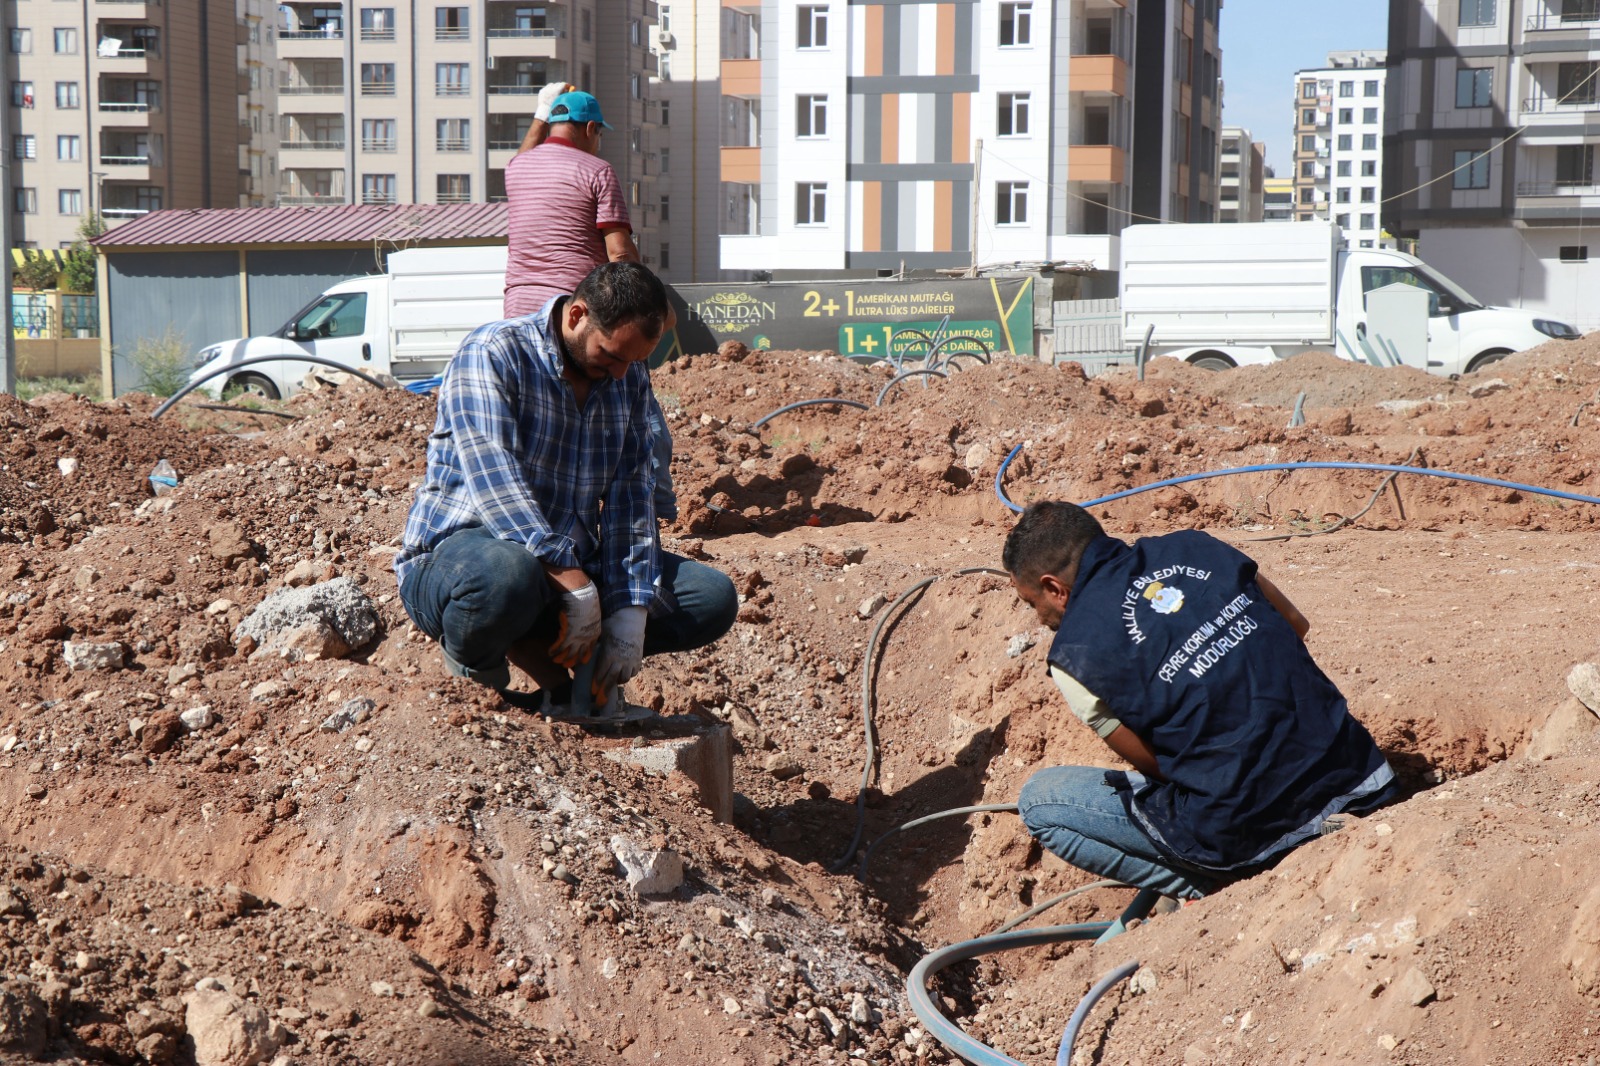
{"x":510,"y":451}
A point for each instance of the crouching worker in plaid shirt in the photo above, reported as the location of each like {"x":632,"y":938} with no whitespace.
{"x":534,"y":534}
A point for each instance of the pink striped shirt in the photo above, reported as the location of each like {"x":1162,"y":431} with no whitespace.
{"x":561,"y":197}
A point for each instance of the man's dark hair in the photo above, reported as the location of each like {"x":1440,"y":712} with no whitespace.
{"x":620,"y":293}
{"x":1049,"y":538}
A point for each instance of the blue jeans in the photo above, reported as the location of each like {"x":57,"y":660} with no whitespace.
{"x":477,"y":595}
{"x":1074,"y":813}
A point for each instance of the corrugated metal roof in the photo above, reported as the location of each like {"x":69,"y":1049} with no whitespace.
{"x":340,"y":223}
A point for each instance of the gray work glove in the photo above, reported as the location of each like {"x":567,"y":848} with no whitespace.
{"x":621,"y":650}
{"x":580,"y":626}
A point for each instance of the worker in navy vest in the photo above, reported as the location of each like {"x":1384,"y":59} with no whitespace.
{"x":1191,"y":666}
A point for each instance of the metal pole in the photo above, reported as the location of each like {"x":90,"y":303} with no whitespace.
{"x":977,"y":169}
{"x":8,"y":368}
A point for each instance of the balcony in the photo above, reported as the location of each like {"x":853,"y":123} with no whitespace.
{"x":377,"y":88}
{"x":538,"y":46}
{"x":376,"y":34}
{"x":113,"y":212}
{"x":1552,"y":110}
{"x":328,"y":31}
{"x":315,"y":89}
{"x":312,"y":144}
{"x":452,"y":144}
{"x":452,"y":33}
{"x":1103,"y":75}
{"x":1556,"y":203}
{"x":378,"y":144}
{"x":1580,"y":17}
{"x":137,"y":160}
{"x":741,"y":77}
{"x":455,"y":88}
{"x":309,"y":200}
{"x":524,"y":33}
{"x":1098,"y":163}
{"x":741,"y":165}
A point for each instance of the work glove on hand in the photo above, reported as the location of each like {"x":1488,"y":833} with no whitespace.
{"x":580,"y":626}
{"x":547,"y":99}
{"x":621,"y":650}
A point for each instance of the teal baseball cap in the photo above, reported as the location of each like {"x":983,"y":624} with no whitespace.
{"x":577,"y":107}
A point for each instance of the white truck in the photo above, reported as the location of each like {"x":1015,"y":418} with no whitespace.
{"x":1225,"y":295}
{"x":406,"y":323}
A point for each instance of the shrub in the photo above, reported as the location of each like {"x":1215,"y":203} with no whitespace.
{"x":163,"y":362}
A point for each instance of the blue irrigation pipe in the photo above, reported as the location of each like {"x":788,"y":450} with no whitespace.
{"x":898,"y":378}
{"x":1086,"y":1004}
{"x":1578,"y":497}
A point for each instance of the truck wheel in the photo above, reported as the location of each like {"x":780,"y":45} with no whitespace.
{"x":255,"y":384}
{"x":1212,"y":361}
{"x":1494,"y":355}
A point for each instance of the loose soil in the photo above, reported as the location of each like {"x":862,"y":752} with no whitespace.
{"x":437,"y":883}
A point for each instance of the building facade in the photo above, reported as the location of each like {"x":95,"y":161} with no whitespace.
{"x":1277,"y":198}
{"x":1338,"y":144}
{"x":1241,"y":193}
{"x":122,"y":108}
{"x":381,"y":104}
{"x":1494,"y":118}
{"x":873,"y":137}
{"x":686,"y":98}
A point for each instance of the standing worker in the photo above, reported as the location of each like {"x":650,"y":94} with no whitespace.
{"x":1191,"y":666}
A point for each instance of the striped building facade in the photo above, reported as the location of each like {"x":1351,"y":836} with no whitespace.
{"x":855,"y":132}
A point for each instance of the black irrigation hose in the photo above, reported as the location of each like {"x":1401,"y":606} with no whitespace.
{"x":866,"y":856}
{"x":254,"y":360}
{"x":898,"y":378}
{"x":1581,"y":406}
{"x":1039,"y":908}
{"x":866,"y":705}
{"x":1345,"y":520}
{"x":764,"y":419}
{"x":247,"y":410}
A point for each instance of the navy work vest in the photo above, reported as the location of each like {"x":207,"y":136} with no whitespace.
{"x":1256,"y":744}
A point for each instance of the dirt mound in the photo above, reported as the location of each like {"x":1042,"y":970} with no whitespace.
{"x":383,"y":823}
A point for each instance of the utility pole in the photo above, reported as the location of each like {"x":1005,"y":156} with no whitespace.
{"x":8,"y":371}
{"x":977,"y":169}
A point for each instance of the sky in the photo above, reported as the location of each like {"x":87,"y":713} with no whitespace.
{"x":1265,"y":41}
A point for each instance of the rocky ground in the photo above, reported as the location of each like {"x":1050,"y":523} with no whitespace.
{"x":248,"y":819}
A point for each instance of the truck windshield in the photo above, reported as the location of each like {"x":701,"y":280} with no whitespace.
{"x":336,"y":315}
{"x":1445,"y":291}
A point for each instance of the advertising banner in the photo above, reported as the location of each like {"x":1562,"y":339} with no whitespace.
{"x":862,"y":319}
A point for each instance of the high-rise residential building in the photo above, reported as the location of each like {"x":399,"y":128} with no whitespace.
{"x":382,"y":103}
{"x":1338,"y":144}
{"x":1493,"y":109}
{"x":851,"y":131}
{"x":1241,"y":195}
{"x":125,"y":107}
{"x":686,"y":104}
{"x":1277,"y":198}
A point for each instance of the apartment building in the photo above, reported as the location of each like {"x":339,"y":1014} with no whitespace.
{"x":1277,"y":198}
{"x":123,"y":107}
{"x":1494,"y":114}
{"x":686,"y":98}
{"x":867,"y":137}
{"x":1338,"y":150}
{"x":1241,"y":194}
{"x":381,"y":103}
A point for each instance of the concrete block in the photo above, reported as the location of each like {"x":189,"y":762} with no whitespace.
{"x":1584,"y":683}
{"x":704,"y":757}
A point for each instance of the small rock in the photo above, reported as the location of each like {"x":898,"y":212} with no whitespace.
{"x":84,"y":578}
{"x":268,"y":690}
{"x":8,"y":742}
{"x":228,"y":1031}
{"x":1383,"y":829}
{"x":37,"y":791}
{"x":782,"y":765}
{"x":730,"y":1005}
{"x":1488,"y":388}
{"x":871,"y":605}
{"x":1143,"y":982}
{"x":1584,"y":683}
{"x":12,"y":902}
{"x":609,"y":968}
{"x":67,"y":465}
{"x":364,"y":745}
{"x":80,"y":655}
{"x":351,"y":713}
{"x":199,"y":718}
{"x":1388,"y":1041}
{"x":216,"y":607}
{"x":860,"y":1011}
{"x":1414,"y":988}
{"x":560,"y":873}
{"x":177,"y":675}
{"x":714,"y":915}
{"x":383,"y":989}
{"x":650,"y":871}
{"x":771,"y":899}
{"x":429,"y":1007}
{"x":307,"y":572}
{"x":1019,"y":644}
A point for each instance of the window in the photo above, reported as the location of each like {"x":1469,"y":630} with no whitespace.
{"x":664,"y":256}
{"x":1574,"y":253}
{"x":811,"y":29}
{"x":452,"y":79}
{"x":453,"y":134}
{"x":664,"y":18}
{"x":69,"y":147}
{"x":811,"y":116}
{"x":1472,"y":170}
{"x":1347,"y":88}
{"x":25,"y":201}
{"x":377,"y":188}
{"x":1308,"y":169}
{"x":1343,"y":221}
{"x":1574,"y":165}
{"x":1308,"y":143}
{"x":1477,"y":12}
{"x":1012,"y":120}
{"x":585,"y":78}
{"x":69,"y":201}
{"x":1307,"y":196}
{"x":587,"y":21}
{"x":67,"y":41}
{"x":23,"y":146}
{"x":1010,"y":203}
{"x":22,"y":94}
{"x":450,"y":24}
{"x":1369,"y":194}
{"x":1308,"y":116}
{"x":633,"y":32}
{"x":1016,"y":24}
{"x":664,"y":66}
{"x":666,"y":208}
{"x":1347,"y":115}
{"x":21,"y":41}
{"x":1369,"y":115}
{"x":633,"y":86}
{"x":1369,"y":168}
{"x":1345,"y":142}
{"x":377,"y":79}
{"x":1341,"y":196}
{"x":1343,"y":168}
{"x":454,"y":188}
{"x":67,"y":95}
{"x":338,"y":315}
{"x":1369,"y":89}
{"x":666,"y":160}
{"x":377,"y":24}
{"x":377,"y":135}
{"x":1575,"y":83}
{"x":811,"y":203}
{"x":1369,"y":142}
{"x":1308,"y":90}
{"x":1369,"y":221}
